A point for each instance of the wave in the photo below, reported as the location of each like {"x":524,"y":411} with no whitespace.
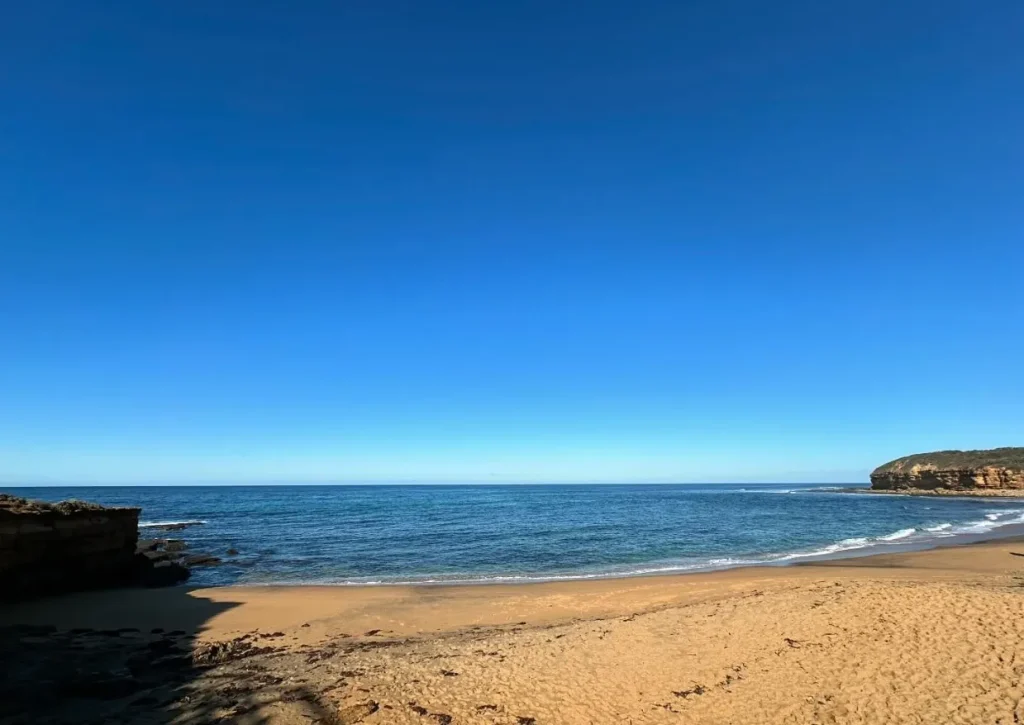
{"x":992,"y":521}
{"x":770,"y":490}
{"x":712,"y":564}
{"x":845,"y":545}
{"x":851,"y":544}
{"x":920,"y":537}
{"x":896,"y":535}
{"x":161,"y":524}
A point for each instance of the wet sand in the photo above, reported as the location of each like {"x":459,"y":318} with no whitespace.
{"x":933,"y":636}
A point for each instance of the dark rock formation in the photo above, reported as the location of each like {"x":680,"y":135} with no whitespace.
{"x":52,"y":548}
{"x":149,"y":544}
{"x":993,"y":470}
{"x":150,"y":573}
{"x":170,"y":561}
{"x":73,"y":545}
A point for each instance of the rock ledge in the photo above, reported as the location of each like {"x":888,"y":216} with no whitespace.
{"x":71,"y":546}
{"x":962,"y":471}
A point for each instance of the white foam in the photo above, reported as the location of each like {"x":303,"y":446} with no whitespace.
{"x":992,"y":520}
{"x":939,"y":527}
{"x":152,"y":524}
{"x":896,"y":535}
{"x":844,"y":545}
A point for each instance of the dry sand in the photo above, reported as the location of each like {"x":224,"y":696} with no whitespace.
{"x":924,"y":637}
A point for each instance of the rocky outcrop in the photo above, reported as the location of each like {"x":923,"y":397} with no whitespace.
{"x":51,"y":548}
{"x":966,"y":471}
{"x":70,"y":546}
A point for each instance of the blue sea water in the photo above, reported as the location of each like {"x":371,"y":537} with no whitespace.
{"x":518,"y":533}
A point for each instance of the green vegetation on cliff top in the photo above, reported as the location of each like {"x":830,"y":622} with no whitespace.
{"x":958,"y":460}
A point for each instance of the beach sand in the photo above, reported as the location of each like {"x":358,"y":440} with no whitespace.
{"x":922,"y":637}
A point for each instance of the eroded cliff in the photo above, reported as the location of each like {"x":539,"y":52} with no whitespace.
{"x":996,"y":469}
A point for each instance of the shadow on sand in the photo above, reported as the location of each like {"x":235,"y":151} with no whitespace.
{"x":132,"y":656}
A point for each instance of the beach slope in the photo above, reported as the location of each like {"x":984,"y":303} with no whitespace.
{"x":930,"y":636}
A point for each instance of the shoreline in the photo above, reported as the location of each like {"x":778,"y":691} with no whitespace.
{"x":882,"y":547}
{"x":897,"y":637}
{"x":844,"y":558}
{"x":108,"y":609}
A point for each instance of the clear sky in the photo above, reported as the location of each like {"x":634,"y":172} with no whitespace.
{"x":528,"y":241}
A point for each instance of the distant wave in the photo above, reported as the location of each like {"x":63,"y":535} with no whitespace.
{"x":156,"y":524}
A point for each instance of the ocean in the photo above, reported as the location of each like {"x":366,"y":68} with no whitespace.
{"x":377,"y":535}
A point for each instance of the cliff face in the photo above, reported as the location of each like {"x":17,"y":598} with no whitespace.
{"x":1000,"y":468}
{"x":53,"y":548}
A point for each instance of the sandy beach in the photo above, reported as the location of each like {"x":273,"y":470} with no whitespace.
{"x":932,"y":636}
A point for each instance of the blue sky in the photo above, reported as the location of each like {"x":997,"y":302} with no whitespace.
{"x":507,"y":241}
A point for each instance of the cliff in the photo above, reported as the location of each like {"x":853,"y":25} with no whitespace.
{"x":68,"y":546}
{"x":996,"y":469}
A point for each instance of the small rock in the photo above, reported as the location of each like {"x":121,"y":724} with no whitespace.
{"x":234,"y":649}
{"x":159,"y":574}
{"x":358,"y":711}
{"x":156,"y":556}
